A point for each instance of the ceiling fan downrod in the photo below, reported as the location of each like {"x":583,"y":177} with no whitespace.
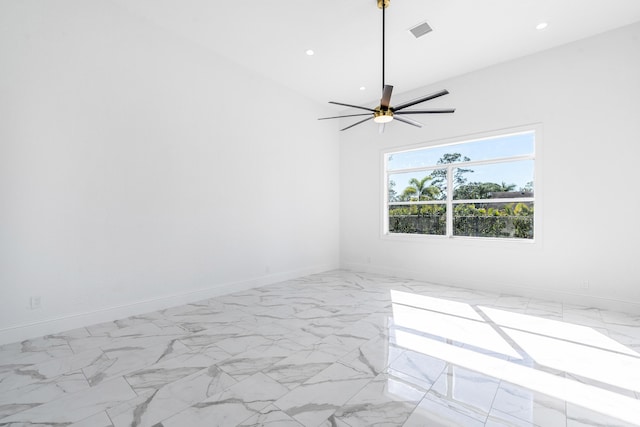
{"x":383,"y":4}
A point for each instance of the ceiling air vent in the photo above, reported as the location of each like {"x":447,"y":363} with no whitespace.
{"x":420,"y":30}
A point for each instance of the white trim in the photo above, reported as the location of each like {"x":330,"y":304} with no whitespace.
{"x":383,"y":209}
{"x":421,"y":202}
{"x":448,"y":231}
{"x":68,"y":322}
{"x":478,"y":136}
{"x":489,"y":201}
{"x":463,"y":164}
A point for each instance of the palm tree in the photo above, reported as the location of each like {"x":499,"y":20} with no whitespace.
{"x":420,"y":189}
{"x":507,"y":187}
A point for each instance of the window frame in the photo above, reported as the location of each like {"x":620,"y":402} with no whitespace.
{"x":449,"y":202}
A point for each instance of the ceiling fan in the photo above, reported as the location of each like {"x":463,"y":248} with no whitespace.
{"x":384,"y":113}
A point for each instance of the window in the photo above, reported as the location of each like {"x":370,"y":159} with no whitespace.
{"x":477,"y":188}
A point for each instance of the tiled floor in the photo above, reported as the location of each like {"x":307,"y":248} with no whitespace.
{"x":334,"y":349}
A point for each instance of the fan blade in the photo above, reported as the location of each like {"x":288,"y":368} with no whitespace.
{"x":386,"y":96}
{"x":408,"y":121}
{"x":381,"y":128}
{"x":452,"y":110}
{"x":419,"y":100}
{"x":352,"y":106}
{"x":357,"y":123}
{"x":348,"y":115}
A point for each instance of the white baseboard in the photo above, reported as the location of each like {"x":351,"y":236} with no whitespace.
{"x":68,"y":322}
{"x":547,"y":294}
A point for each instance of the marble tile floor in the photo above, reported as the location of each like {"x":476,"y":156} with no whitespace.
{"x":334,"y":349}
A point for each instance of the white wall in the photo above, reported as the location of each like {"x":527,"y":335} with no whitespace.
{"x":586,"y":97}
{"x":137,"y":171}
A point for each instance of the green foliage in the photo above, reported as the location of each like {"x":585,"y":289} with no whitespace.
{"x":481,"y":190}
{"x":393,"y":195}
{"x":440,"y":175}
{"x":523,"y":223}
{"x":418,"y":210}
{"x":504,"y":220}
{"x":418,"y":219}
{"x":485,"y":220}
{"x":507,"y":187}
{"x":476,"y":190}
{"x":528,"y":187}
{"x":418,"y":190}
{"x":471,"y":221}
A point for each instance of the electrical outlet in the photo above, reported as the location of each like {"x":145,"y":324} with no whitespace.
{"x":34,"y":302}
{"x":584,"y":284}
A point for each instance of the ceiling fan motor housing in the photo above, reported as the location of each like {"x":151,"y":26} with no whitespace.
{"x":382,"y":115}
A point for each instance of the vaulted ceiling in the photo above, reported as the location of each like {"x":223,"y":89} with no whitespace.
{"x":272,"y":37}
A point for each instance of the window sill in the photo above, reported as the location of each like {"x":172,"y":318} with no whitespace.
{"x":462,"y":240}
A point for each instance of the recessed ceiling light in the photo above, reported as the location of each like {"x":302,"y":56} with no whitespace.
{"x":362,"y":88}
{"x":542,"y":26}
{"x":309,"y":52}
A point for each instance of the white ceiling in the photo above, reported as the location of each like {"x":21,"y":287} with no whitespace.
{"x":272,"y":37}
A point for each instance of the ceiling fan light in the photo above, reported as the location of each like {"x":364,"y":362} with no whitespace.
{"x":382,"y":119}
